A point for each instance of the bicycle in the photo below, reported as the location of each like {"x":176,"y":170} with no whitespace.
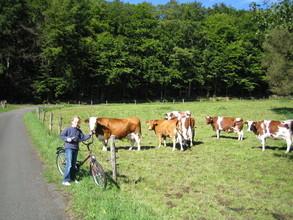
{"x":96,"y":168}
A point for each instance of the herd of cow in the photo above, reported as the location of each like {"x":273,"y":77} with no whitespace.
{"x":180,"y":127}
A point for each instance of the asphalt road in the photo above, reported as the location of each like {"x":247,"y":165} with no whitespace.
{"x":24,"y":195}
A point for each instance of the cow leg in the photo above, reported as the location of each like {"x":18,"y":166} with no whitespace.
{"x":180,"y":142}
{"x":160,"y":141}
{"x":289,"y":142}
{"x":138,"y":142}
{"x":218,"y":134}
{"x":164,"y":140}
{"x":240,"y":135}
{"x":189,"y":135}
{"x":263,"y":142}
{"x":174,"y":143}
{"x":135,"y":139}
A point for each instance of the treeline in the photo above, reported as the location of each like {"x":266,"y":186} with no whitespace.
{"x":60,"y":50}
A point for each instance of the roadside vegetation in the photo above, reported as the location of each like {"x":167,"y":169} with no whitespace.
{"x":10,"y":107}
{"x":215,"y":179}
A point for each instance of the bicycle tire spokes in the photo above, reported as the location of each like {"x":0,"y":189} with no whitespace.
{"x":98,"y":174}
{"x":61,"y":162}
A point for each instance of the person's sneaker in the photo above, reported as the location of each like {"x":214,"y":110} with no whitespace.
{"x":66,"y":183}
{"x":75,"y":181}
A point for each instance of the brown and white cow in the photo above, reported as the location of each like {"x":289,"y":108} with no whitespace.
{"x":186,"y":124}
{"x":270,"y":128}
{"x":116,"y":128}
{"x":227,"y":124}
{"x":164,"y":129}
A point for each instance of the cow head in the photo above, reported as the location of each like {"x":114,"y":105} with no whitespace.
{"x":188,"y":113}
{"x":171,"y":115}
{"x":151,"y":124}
{"x":209,"y":120}
{"x":92,"y":123}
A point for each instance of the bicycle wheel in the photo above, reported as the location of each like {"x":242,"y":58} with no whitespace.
{"x":98,"y":174}
{"x":61,"y":161}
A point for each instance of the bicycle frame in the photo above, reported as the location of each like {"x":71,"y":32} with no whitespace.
{"x":80,"y":163}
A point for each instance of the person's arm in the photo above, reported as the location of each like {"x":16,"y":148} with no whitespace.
{"x":64,"y":135}
{"x":83,"y":137}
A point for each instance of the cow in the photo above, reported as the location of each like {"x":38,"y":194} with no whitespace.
{"x":186,"y":124}
{"x":188,"y":129}
{"x":227,"y":124}
{"x":270,"y":128}
{"x":164,"y":129}
{"x":116,"y":128}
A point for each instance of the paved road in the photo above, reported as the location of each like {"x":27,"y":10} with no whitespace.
{"x":24,"y":195}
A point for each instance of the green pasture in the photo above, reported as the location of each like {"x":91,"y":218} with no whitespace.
{"x":215,"y":179}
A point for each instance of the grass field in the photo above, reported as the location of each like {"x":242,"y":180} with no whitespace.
{"x":215,"y":179}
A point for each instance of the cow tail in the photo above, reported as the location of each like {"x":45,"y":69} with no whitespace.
{"x":139,"y":129}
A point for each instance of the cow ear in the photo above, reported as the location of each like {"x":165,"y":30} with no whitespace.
{"x":86,"y":120}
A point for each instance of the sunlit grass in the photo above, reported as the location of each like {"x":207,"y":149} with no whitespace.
{"x":10,"y":107}
{"x":215,"y":179}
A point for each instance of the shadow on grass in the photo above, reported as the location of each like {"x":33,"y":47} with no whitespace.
{"x":185,"y":146}
{"x":110,"y":181}
{"x":126,"y":179}
{"x":272,"y":148}
{"x":287,"y":112}
{"x":228,"y":137}
{"x":288,"y":156}
{"x":135,"y":148}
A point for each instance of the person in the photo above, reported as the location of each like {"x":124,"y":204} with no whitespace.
{"x":72,"y":136}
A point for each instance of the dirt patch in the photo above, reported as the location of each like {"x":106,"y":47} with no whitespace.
{"x":178,"y":195}
{"x":222,"y":201}
{"x":170,"y":204}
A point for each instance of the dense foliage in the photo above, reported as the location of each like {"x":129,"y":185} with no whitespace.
{"x":62,"y":50}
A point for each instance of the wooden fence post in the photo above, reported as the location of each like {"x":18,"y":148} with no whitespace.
{"x":60,"y":124}
{"x":38,"y":113}
{"x":44,"y":116}
{"x":113,"y":159}
{"x":51,"y":122}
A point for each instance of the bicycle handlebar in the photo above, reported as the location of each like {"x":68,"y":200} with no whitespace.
{"x":87,"y":143}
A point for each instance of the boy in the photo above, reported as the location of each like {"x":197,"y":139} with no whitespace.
{"x":72,"y":136}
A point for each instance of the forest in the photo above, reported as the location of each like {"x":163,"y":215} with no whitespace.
{"x":96,"y":50}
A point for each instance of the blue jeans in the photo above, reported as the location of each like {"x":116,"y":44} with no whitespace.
{"x":70,"y":168}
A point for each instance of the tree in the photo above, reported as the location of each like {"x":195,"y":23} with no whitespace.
{"x":19,"y":49}
{"x":278,"y":60}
